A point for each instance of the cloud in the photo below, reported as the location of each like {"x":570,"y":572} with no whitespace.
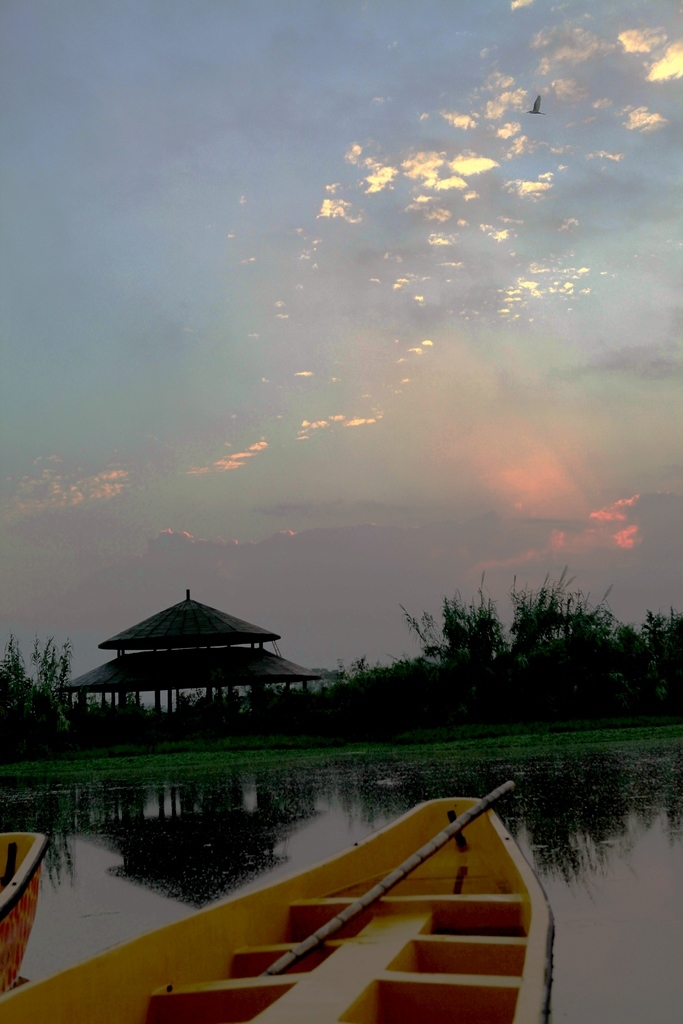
{"x":646,"y":361}
{"x":381,"y":176}
{"x":447,"y":183}
{"x":505,"y":101}
{"x":572,"y":45}
{"x":615,"y":511}
{"x":568,"y":90}
{"x":637,"y":40}
{"x":233,"y":461}
{"x":497,"y":236}
{"x":519,"y":147}
{"x":516,"y":4}
{"x":602,"y":154}
{"x":628,"y":537}
{"x":509,"y":129}
{"x":307,"y":425}
{"x":531,"y":287}
{"x":53,"y":488}
{"x":304,"y":373}
{"x":641,"y":120}
{"x":463,"y":121}
{"x":603,"y":104}
{"x":338,"y":208}
{"x":359,"y":422}
{"x":568,"y":223}
{"x":239,"y":458}
{"x":438,"y":213}
{"x":435,"y":239}
{"x":528,"y":188}
{"x":469,"y":163}
{"x":670,"y":66}
{"x":277,"y":582}
{"x":424,"y":165}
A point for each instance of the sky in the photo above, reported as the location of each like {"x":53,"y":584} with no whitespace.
{"x":301,"y":308}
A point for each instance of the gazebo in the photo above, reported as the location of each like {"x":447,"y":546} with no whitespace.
{"x":189,"y":646}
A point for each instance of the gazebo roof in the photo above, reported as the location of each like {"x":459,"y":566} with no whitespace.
{"x":188,"y":624}
{"x":187,"y":670}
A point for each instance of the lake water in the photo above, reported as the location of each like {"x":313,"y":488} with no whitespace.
{"x":602,"y":826}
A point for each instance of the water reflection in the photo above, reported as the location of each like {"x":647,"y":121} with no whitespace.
{"x":199,"y":835}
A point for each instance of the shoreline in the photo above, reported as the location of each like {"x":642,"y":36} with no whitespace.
{"x":469,"y":740}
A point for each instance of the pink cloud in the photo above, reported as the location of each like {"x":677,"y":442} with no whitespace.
{"x":593,"y":537}
{"x":615,"y":511}
{"x":277,"y":583}
{"x":628,"y":538}
{"x":232,"y":461}
{"x":54,"y":488}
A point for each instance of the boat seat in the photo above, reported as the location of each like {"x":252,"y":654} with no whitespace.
{"x":500,"y":955}
{"x":405,"y":964}
{"x":450,"y":913}
{"x":216,"y":1002}
{"x":407,"y":999}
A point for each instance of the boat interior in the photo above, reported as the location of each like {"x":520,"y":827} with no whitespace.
{"x":13,"y":850}
{"x":448,"y":943}
{"x":19,"y":852}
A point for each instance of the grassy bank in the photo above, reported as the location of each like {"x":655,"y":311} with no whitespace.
{"x":464,"y":741}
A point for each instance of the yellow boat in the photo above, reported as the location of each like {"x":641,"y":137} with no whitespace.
{"x":21,"y":854}
{"x":464,"y":937}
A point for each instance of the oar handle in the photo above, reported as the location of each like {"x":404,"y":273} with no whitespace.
{"x":393,"y":878}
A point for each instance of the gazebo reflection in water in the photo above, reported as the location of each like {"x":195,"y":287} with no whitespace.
{"x":197,"y":842}
{"x":189,"y":646}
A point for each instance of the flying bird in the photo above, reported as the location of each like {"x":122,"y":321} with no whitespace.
{"x":537,"y":107}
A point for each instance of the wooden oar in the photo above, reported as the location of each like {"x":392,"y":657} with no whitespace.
{"x":398,"y":874}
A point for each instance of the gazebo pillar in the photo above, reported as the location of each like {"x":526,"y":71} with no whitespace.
{"x":170,"y":701}
{"x":157,"y":701}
